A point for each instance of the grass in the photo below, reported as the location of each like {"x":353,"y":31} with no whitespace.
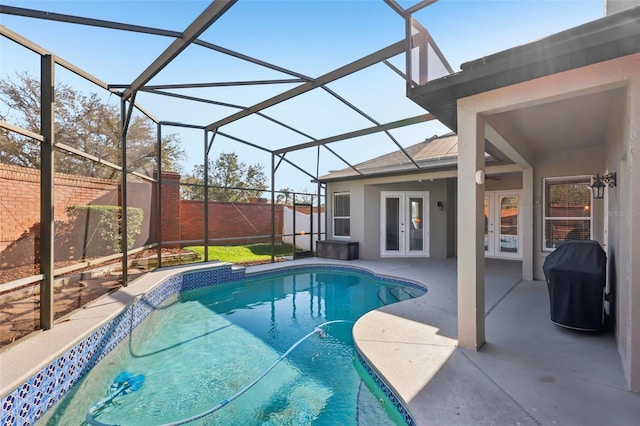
{"x":243,"y":253}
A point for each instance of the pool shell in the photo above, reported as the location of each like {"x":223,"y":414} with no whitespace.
{"x":31,"y":400}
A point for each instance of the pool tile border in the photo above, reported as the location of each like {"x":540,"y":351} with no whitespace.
{"x":397,"y":403}
{"x":31,"y":400}
{"x":302,"y":268}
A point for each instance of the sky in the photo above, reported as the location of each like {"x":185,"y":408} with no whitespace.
{"x":310,"y":37}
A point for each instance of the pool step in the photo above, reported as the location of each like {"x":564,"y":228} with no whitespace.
{"x":388,"y":295}
{"x":400,"y":293}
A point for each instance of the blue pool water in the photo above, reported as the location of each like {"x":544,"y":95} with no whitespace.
{"x":202,"y":346}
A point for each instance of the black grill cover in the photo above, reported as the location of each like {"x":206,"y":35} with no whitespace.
{"x":576,"y":277}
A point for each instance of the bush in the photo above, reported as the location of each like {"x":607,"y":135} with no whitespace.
{"x":104,"y":222}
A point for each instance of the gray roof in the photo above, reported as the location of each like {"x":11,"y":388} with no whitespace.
{"x":600,"y":40}
{"x":439,"y":151}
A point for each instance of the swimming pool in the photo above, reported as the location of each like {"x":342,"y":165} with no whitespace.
{"x":200,"y":346}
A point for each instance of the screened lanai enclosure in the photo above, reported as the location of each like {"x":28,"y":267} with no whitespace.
{"x":173,"y":145}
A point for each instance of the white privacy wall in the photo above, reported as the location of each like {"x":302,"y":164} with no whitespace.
{"x":303,"y":223}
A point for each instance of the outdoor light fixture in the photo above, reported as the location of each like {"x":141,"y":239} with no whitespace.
{"x":440,"y":205}
{"x":600,"y":182}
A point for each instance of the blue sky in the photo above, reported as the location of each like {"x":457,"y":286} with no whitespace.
{"x":309,"y":37}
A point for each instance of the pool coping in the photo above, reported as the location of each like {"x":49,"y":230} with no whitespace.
{"x":31,"y":359}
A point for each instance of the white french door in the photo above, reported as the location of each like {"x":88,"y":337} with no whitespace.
{"x":502,"y":224}
{"x":404,"y":223}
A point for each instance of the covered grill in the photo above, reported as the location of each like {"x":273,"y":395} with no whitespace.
{"x":576,"y":278}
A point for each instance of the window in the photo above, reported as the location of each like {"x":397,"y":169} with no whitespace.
{"x":342,"y":214}
{"x":567,"y":210}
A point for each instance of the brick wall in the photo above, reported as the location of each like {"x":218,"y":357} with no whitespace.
{"x":170,"y":199}
{"x":20,"y":211}
{"x":228,"y":220}
{"x":20,"y":199}
{"x":181,"y":219}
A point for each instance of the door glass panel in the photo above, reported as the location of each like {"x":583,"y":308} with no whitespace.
{"x":508,"y":224}
{"x":486,"y":223}
{"x":415,"y":232}
{"x":392,"y":226}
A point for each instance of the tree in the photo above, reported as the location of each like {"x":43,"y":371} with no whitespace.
{"x":229,"y":180}
{"x":285,"y":196}
{"x":83,"y":122}
{"x":304,"y":197}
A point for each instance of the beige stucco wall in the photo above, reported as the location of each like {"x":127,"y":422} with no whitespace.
{"x":506,"y":181}
{"x":452,"y":214}
{"x":442,"y":186}
{"x":623,"y":214}
{"x":365,"y":211}
{"x":620,"y":152}
{"x":581,"y":162}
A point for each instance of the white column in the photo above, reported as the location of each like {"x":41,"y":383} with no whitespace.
{"x":633,"y":228}
{"x":526,"y":217}
{"x":471,"y":304}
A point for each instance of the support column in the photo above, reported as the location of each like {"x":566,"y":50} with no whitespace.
{"x":273,"y":207}
{"x":526,"y":217}
{"x":158,"y":184}
{"x":632,"y":226}
{"x":206,"y":196}
{"x":124,"y":117}
{"x":471,"y":304}
{"x":47,"y":170}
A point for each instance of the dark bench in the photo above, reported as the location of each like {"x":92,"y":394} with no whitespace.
{"x":337,"y":249}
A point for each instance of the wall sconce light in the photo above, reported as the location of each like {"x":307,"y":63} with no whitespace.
{"x":600,"y":182}
{"x":440,"y":205}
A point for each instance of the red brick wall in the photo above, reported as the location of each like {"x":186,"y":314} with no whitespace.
{"x":20,"y":212}
{"x":228,"y":220}
{"x":181,"y":219}
{"x":20,"y":199}
{"x":170,"y":199}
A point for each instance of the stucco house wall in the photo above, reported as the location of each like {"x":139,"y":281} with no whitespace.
{"x":623,"y":214}
{"x":566,"y":105}
{"x":504,"y":182}
{"x":365,"y":210}
{"x":580,"y":162}
{"x":620,"y":152}
{"x":441,"y":185}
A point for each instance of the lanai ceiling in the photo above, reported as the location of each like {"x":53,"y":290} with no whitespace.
{"x":579,"y":122}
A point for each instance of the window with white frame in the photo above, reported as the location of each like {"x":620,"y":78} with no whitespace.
{"x":342,"y":214}
{"x":567,"y":210}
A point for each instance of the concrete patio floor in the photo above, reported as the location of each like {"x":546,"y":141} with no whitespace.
{"x":529,"y":372}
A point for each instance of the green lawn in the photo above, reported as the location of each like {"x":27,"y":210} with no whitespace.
{"x":245,"y":253}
